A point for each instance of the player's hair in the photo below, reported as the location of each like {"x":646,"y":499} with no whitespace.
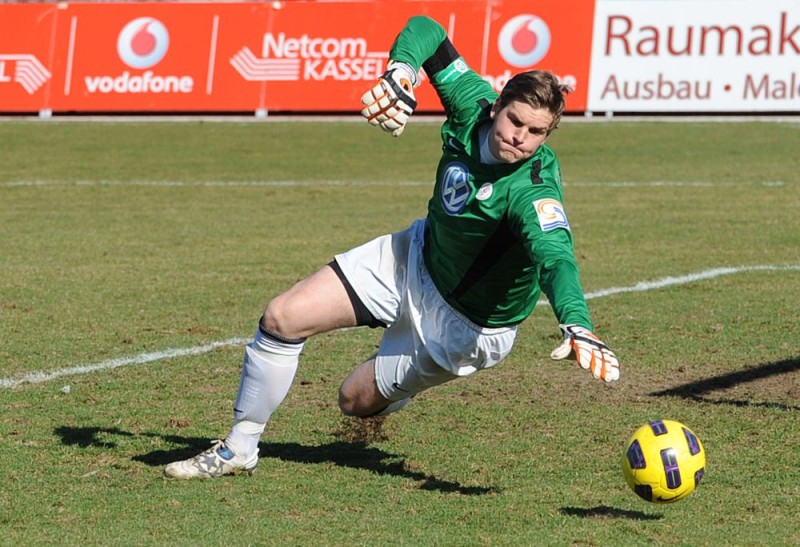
{"x":539,"y":89}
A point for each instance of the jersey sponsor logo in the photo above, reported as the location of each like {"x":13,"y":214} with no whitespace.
{"x":485,"y":192}
{"x":455,"y":188}
{"x":551,"y":214}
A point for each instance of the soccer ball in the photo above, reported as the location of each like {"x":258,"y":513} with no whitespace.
{"x":664,"y":461}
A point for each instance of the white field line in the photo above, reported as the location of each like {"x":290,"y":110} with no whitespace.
{"x":39,"y":377}
{"x":684,"y":279}
{"x":307,"y":183}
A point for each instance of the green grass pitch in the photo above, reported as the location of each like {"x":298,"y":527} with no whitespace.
{"x":136,"y":256}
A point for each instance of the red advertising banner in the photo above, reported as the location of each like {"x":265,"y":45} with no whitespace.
{"x":281,"y":56}
{"x":27,"y":56}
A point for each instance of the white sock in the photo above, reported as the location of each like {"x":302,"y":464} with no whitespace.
{"x":244,"y":436}
{"x":268,"y":370}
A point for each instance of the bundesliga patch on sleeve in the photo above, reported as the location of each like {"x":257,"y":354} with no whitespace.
{"x":453,"y":71}
{"x":551,"y":214}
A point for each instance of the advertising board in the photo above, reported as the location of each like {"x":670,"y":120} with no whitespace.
{"x":285,"y":56}
{"x":320,"y":56}
{"x":688,"y":56}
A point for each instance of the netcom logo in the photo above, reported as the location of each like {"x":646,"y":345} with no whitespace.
{"x":143,"y":42}
{"x":524,"y":40}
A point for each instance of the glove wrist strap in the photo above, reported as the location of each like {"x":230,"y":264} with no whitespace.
{"x":405,"y":67}
{"x":401,"y":93}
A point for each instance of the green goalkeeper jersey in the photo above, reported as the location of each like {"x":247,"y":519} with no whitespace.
{"x":497,"y":234}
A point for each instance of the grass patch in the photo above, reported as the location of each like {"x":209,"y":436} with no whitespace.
{"x":124,"y":239}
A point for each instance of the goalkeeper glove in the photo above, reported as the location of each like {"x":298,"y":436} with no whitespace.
{"x":589,"y":351}
{"x":391,"y":100}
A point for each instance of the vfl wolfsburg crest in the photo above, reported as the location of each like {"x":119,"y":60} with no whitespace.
{"x":455,"y":188}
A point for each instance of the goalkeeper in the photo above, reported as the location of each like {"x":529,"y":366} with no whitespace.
{"x":450,"y":289}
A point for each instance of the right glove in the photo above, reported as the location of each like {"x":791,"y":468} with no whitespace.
{"x":390,"y":102}
{"x":589,"y":351}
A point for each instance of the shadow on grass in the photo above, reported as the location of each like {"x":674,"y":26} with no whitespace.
{"x":355,"y":455}
{"x":603,"y":511}
{"x":699,"y":390}
{"x":362,"y":456}
{"x":86,"y":437}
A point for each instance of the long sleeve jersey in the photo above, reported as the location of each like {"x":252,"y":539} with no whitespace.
{"x":497,"y":234}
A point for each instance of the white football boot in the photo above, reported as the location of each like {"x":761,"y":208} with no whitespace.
{"x":216,"y":461}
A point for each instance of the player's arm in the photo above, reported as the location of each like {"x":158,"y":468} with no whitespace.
{"x":560,"y":281}
{"x":422,"y":43}
{"x":546,"y":228}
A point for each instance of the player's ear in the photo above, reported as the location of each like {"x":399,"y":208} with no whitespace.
{"x":495,"y":108}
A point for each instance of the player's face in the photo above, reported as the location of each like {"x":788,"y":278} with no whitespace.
{"x":518,"y":129}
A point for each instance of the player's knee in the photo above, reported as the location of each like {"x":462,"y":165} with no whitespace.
{"x":348,"y":401}
{"x":277,"y":317}
{"x":355,"y":403}
{"x":361,"y":403}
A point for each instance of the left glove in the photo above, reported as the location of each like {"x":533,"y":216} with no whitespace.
{"x":589,"y":351}
{"x":391,"y":100}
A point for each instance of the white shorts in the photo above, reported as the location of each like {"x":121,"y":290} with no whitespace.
{"x":426,"y":342}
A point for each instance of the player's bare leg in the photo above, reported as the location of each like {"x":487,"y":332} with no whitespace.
{"x":359,"y":394}
{"x":363,"y":405}
{"x":316,"y":304}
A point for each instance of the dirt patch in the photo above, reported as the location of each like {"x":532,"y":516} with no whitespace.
{"x":362,"y":430}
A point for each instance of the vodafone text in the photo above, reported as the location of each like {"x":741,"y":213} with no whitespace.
{"x":146,"y":82}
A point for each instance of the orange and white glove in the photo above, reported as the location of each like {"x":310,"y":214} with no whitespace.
{"x":390,"y":102}
{"x":589,"y":351}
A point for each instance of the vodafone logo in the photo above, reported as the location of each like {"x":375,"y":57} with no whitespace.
{"x":143,"y":42}
{"x":524,"y":40}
